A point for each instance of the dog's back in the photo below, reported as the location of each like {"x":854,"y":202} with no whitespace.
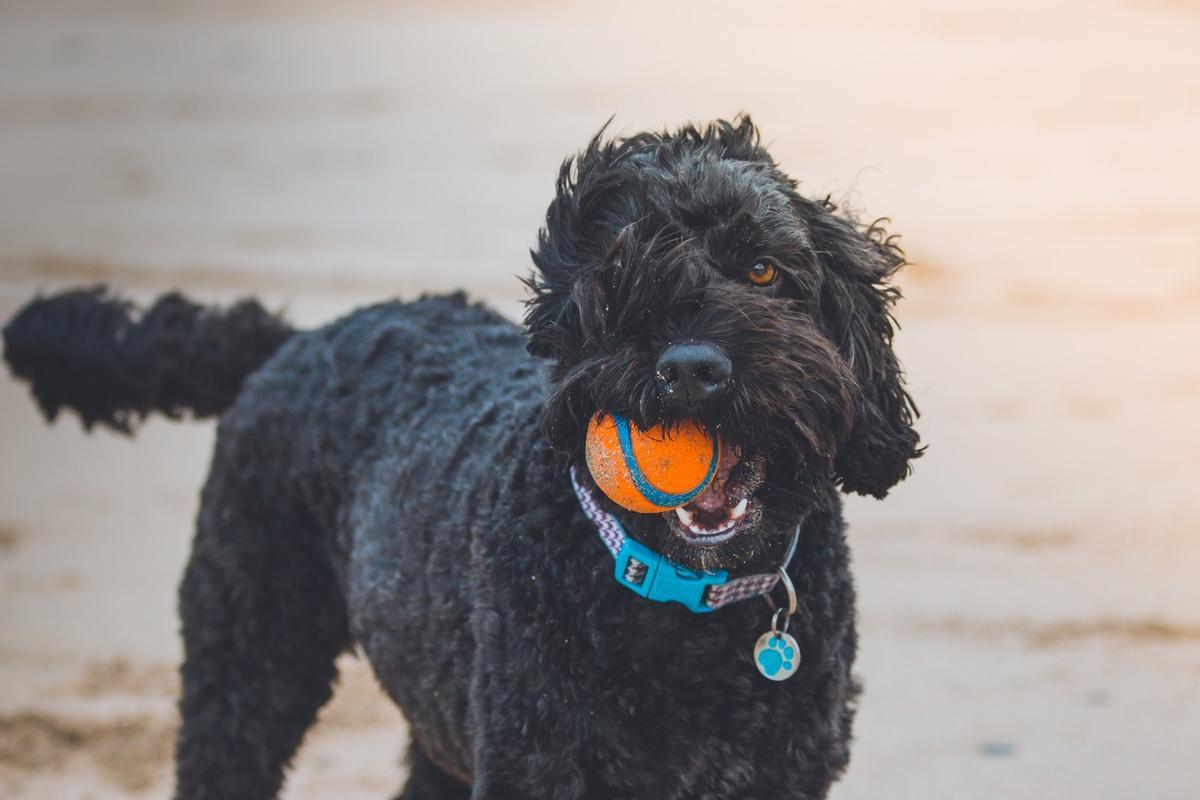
{"x":418,"y":381}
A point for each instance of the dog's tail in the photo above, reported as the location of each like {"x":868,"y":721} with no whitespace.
{"x":93,"y":352}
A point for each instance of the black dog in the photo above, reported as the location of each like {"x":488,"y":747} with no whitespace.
{"x":400,"y":481}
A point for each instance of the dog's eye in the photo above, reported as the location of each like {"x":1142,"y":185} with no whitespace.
{"x":763,"y":273}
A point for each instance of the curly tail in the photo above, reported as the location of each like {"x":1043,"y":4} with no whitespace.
{"x":93,"y":352}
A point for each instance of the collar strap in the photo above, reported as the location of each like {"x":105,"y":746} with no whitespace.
{"x":649,"y":574}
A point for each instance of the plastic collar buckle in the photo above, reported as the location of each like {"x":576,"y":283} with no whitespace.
{"x":650,"y":575}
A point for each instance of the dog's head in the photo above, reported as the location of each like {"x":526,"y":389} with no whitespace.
{"x":681,"y":276}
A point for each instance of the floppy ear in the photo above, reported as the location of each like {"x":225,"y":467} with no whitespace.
{"x":550,"y":313}
{"x":580,"y":223}
{"x":855,"y":309}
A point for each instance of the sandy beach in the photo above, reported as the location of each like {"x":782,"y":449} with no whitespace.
{"x":1029,"y":598}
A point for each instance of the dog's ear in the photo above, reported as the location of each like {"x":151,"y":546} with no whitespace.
{"x":855,"y":309}
{"x":580,"y":222}
{"x":551,"y":314}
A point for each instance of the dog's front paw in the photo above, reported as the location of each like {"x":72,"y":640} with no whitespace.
{"x":776,"y":657}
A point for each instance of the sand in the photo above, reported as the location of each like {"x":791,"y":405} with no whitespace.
{"x":1030,"y":609}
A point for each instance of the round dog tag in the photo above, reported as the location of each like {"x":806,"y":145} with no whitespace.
{"x":777,"y":655}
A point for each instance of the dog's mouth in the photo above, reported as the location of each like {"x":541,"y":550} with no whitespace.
{"x":726,"y":507}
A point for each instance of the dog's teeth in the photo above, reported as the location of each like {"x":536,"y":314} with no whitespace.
{"x":690,"y":523}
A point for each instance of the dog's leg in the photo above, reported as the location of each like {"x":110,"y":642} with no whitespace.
{"x":428,"y":781}
{"x":263,"y":622}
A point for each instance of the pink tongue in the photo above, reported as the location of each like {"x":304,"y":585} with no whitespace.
{"x":713,"y":499}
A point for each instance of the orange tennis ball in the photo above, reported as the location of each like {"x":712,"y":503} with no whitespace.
{"x":652,"y":470}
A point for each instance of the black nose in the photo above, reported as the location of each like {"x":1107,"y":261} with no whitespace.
{"x":692,"y":372}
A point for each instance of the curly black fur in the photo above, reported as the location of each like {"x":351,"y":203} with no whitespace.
{"x":396,"y":481}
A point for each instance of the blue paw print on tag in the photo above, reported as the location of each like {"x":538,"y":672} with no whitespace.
{"x":777,"y":656}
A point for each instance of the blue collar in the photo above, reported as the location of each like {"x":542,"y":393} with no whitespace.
{"x":650,"y":575}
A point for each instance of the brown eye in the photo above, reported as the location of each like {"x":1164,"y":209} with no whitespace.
{"x":763,"y":273}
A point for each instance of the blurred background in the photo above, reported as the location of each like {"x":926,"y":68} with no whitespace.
{"x":1030,"y":597}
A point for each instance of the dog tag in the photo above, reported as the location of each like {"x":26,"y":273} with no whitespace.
{"x":777,"y":655}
